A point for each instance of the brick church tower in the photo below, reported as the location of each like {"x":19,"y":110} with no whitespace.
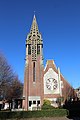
{"x":33,"y":91}
{"x":42,"y":83}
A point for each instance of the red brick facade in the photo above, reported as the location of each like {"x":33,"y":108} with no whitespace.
{"x":35,"y":76}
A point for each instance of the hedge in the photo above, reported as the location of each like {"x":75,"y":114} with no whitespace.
{"x":33,"y":114}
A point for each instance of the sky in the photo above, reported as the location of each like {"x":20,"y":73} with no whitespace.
{"x":59,"y":24}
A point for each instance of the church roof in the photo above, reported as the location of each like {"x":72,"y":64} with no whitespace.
{"x":50,"y":64}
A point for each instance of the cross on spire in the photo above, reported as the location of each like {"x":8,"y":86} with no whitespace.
{"x":34,"y":14}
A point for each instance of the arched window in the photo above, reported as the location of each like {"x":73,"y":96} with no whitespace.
{"x":29,"y":49}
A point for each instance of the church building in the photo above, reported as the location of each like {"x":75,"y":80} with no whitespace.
{"x":42,"y":83}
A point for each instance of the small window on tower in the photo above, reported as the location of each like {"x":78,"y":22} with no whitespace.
{"x":38,"y":49}
{"x":29,"y":49}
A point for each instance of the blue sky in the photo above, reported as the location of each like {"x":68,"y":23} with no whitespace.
{"x":59,"y":23}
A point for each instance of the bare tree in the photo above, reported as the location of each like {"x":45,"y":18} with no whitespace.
{"x":16,"y":89}
{"x":8,"y":79}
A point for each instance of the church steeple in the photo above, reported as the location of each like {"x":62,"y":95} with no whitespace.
{"x":34,"y":27}
{"x":34,"y":31}
{"x":33,"y":79}
{"x":34,"y":41}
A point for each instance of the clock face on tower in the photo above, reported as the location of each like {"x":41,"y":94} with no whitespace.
{"x":51,"y":84}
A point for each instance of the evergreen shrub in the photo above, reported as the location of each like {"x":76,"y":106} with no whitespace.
{"x":33,"y":114}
